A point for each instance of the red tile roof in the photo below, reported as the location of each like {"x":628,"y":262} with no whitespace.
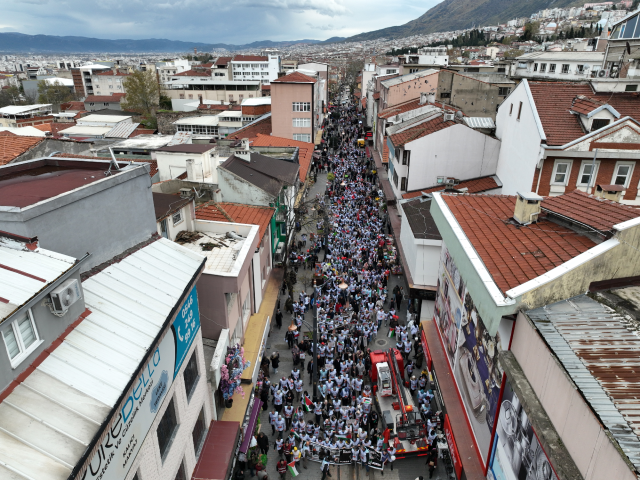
{"x":266,"y":87}
{"x":222,"y":61}
{"x":305,"y":155}
{"x":421,"y":130}
{"x":401,"y":108}
{"x":12,"y":146}
{"x":142,"y":131}
{"x":74,"y":105}
{"x":513,"y":254}
{"x":116,"y":97}
{"x":385,"y":151}
{"x":208,"y":106}
{"x":554,"y":102}
{"x":250,"y":58}
{"x":595,"y":212}
{"x":238,"y":212}
{"x":475,"y":185}
{"x":251,"y":131}
{"x":585,"y":105}
{"x":193,"y":73}
{"x":295,"y":77}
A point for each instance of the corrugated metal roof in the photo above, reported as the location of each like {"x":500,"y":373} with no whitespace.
{"x":479,"y":122}
{"x":24,"y":273}
{"x":48,"y":421}
{"x":122,"y":130}
{"x":600,"y":350}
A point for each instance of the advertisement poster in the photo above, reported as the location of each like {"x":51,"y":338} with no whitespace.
{"x":472,"y":352}
{"x":453,"y":447}
{"x":130,"y":426}
{"x":517,"y":453}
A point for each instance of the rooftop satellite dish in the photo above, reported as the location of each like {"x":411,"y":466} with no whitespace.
{"x":458,"y":114}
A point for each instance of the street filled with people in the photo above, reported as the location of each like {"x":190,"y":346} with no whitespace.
{"x":335,"y":421}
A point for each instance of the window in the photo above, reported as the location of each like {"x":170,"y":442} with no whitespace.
{"x":302,"y":137}
{"x":198,"y":129}
{"x":585,"y":173}
{"x":182,"y":96}
{"x":565,"y":68}
{"x":511,"y":109}
{"x":246,"y":308}
{"x":519,"y":110}
{"x":552,"y":68}
{"x":504,"y":91}
{"x":177,"y":217}
{"x":579,"y":68}
{"x":631,"y":88}
{"x":543,"y":67}
{"x":167,"y":429}
{"x":414,"y":70}
{"x":20,"y":338}
{"x":621,"y":177}
{"x":561,"y":173}
{"x":395,"y":178}
{"x":181,"y":474}
{"x":445,"y":95}
{"x":406,"y":156}
{"x":403,"y":184}
{"x":599,"y":123}
{"x":301,"y":122}
{"x":198,"y":432}
{"x":190,"y":375}
{"x":390,"y":71}
{"x":301,"y":106}
{"x":190,"y":96}
{"x":535,"y":67}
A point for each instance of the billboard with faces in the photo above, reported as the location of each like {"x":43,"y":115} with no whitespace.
{"x":472,"y":352}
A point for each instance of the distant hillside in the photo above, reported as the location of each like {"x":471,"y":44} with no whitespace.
{"x":461,"y":14}
{"x":21,"y":43}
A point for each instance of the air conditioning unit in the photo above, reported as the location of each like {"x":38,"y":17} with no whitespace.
{"x":603,"y":73}
{"x":595,"y":72}
{"x":449,"y":117}
{"x":279,"y":252}
{"x":65,"y":295}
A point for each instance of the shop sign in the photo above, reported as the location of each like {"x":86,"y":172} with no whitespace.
{"x":453,"y":448}
{"x":427,"y":353}
{"x":127,"y":431}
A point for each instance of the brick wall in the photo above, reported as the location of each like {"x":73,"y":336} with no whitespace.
{"x":148,"y":462}
{"x":256,"y":109}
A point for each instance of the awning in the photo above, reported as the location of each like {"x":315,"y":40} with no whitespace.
{"x":216,"y":457}
{"x":251,"y":426}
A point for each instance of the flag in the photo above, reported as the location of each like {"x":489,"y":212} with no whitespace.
{"x":308,"y":404}
{"x":292,"y":469}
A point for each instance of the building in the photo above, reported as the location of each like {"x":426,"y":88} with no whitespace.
{"x":196,"y":161}
{"x":166,"y":70}
{"x":499,"y":256}
{"x":550,"y":133}
{"x":561,"y":66}
{"x":82,"y":77}
{"x":102,"y":102}
{"x":621,"y":67}
{"x":426,"y":58}
{"x":174,"y":214}
{"x":297,"y":106}
{"x":255,"y":68}
{"x":204,"y":84}
{"x":108,"y":82}
{"x":100,"y":126}
{"x":25,"y":115}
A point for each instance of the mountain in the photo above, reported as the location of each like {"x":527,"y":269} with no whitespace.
{"x":461,"y":14}
{"x":21,"y":43}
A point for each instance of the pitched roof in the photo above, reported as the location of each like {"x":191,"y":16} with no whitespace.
{"x":585,"y":105}
{"x":250,"y":58}
{"x":512,"y":253}
{"x":107,"y":73}
{"x":554,"y":102}
{"x":73,"y":105}
{"x":222,"y":61}
{"x":595,"y":212}
{"x":420,"y":220}
{"x":12,"y":146}
{"x":165,"y":204}
{"x":398,"y":109}
{"x":238,"y":212}
{"x":295,"y":77}
{"x":305,"y":154}
{"x":188,"y":148}
{"x":116,"y":97}
{"x":213,"y":106}
{"x":268,"y":174}
{"x":193,"y":73}
{"x":475,"y":185}
{"x":260,"y":126}
{"x":421,"y":130}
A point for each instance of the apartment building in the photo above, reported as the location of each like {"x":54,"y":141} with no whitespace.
{"x":251,"y":68}
{"x":108,"y":82}
{"x":561,"y":66}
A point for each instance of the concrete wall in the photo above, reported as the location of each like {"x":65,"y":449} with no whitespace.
{"x":235,"y":189}
{"x":173,"y":164}
{"x":188,"y":214}
{"x":50,"y":145}
{"x":282,"y":114}
{"x":410,"y":90}
{"x":95,"y":215}
{"x":49,"y":327}
{"x":423,"y":256}
{"x":580,"y":430}
{"x":521,"y":148}
{"x":474,"y":97}
{"x":148,"y":463}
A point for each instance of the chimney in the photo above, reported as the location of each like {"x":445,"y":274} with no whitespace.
{"x":217,"y":196}
{"x":610,"y":192}
{"x":200,"y":97}
{"x":424,"y":98}
{"x":527,"y":208}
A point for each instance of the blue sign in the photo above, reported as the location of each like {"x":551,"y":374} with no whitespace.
{"x":158,"y":392}
{"x":185,"y":327}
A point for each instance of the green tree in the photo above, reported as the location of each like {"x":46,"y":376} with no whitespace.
{"x":165,"y":102}
{"x":143,"y":93}
{"x":9,"y":96}
{"x":531,"y":29}
{"x":54,"y":93}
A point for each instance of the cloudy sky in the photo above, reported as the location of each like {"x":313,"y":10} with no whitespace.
{"x":212,"y":21}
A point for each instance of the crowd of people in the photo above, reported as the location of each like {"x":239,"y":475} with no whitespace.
{"x":352,"y":299}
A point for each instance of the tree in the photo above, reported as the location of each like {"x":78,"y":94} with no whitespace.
{"x":165,"y":102}
{"x":9,"y":96}
{"x":143,"y":93}
{"x":531,"y":29}
{"x":54,"y":93}
{"x":352,"y":71}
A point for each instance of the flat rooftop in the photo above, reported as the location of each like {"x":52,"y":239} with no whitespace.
{"x":27,"y":183}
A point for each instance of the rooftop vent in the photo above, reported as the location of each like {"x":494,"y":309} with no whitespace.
{"x":610,"y":192}
{"x":527,"y":208}
{"x":449,"y":117}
